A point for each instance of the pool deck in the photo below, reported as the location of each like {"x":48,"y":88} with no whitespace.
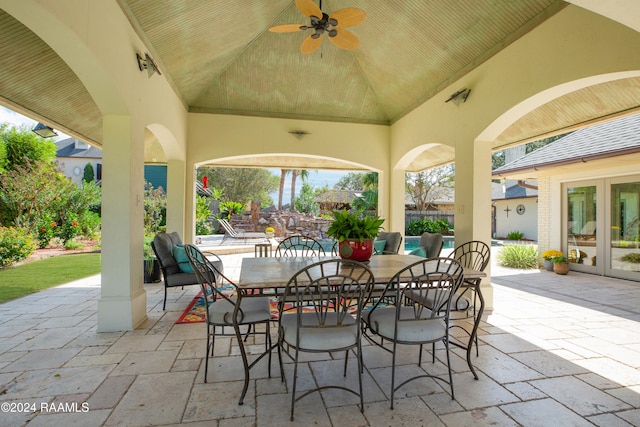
{"x":555,"y":351}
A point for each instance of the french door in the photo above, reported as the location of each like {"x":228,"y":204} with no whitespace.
{"x":602,"y":226}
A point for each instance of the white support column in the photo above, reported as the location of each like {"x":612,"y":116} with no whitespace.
{"x":123,"y":301}
{"x":473,"y":201}
{"x":396,"y":201}
{"x":176,"y":198}
{"x":189,"y":203}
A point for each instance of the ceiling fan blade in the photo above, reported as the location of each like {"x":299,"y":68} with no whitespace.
{"x":286,"y":28}
{"x":310,"y":44}
{"x":345,"y":40}
{"x":348,"y":17}
{"x":309,"y":8}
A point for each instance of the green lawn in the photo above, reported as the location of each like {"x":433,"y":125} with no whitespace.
{"x":25,"y":279}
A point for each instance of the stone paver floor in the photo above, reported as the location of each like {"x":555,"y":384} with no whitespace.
{"x":555,"y":351}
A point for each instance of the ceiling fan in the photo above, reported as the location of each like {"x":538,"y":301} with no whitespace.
{"x":322,"y":23}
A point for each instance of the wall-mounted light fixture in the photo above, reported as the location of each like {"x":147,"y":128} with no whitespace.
{"x":460,"y":96}
{"x":299,"y":133}
{"x":148,"y":64}
{"x":44,"y":131}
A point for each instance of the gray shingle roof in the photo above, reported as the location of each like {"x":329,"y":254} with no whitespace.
{"x":609,"y":139}
{"x":71,"y":147}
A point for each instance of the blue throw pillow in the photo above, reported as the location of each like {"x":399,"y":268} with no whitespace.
{"x":181,"y":258}
{"x":379,"y":245}
{"x":419,"y":251}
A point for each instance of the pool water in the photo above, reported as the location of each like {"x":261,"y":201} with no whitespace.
{"x":411,"y":242}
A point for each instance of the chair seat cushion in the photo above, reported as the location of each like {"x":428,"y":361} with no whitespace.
{"x":382,"y":321}
{"x":315,"y":338}
{"x":254,"y":309}
{"x":181,"y":279}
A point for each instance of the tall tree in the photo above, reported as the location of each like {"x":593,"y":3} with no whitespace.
{"x":424,"y":187}
{"x":294,"y":176}
{"x":283,"y":178}
{"x":23,"y":146}
{"x":241,"y":185}
{"x":370,"y":180}
{"x":351,"y":181}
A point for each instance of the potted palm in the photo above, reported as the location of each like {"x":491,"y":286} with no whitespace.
{"x":354,"y":232}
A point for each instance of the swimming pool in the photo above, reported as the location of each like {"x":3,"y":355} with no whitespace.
{"x":411,"y":242}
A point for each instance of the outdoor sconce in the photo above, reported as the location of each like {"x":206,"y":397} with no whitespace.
{"x":148,"y":64}
{"x":44,"y":131}
{"x":460,"y":96}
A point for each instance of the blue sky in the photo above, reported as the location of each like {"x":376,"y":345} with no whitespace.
{"x":316,"y":178}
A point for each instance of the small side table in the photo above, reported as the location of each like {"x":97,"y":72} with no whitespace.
{"x":263,"y":250}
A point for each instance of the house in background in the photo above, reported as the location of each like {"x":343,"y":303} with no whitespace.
{"x":589,"y":196}
{"x":73,"y":155}
{"x":515,"y":208}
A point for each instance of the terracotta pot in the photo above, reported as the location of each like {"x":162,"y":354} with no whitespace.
{"x":356,"y":250}
{"x":561,"y":267}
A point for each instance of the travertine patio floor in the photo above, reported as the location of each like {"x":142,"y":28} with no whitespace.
{"x":555,"y":351}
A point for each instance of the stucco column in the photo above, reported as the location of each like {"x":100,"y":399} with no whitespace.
{"x":473,"y":201}
{"x":123,"y":300}
{"x":175,"y":198}
{"x":396,"y":201}
{"x":189,"y":203}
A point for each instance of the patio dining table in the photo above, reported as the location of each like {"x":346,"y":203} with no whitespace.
{"x":275,"y":272}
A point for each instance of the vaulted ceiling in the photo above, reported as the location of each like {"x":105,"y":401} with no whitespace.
{"x":222,"y":58}
{"x":219,"y":57}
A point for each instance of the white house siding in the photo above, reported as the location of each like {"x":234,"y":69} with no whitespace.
{"x":526,"y":223}
{"x":67,"y":165}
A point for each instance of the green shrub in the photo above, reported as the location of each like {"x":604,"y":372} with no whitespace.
{"x":515,"y":235}
{"x":518,"y":256}
{"x":70,"y":228}
{"x":230,"y":208}
{"x":417,"y":227}
{"x":90,"y":224}
{"x":632,"y":257}
{"x":46,"y":227}
{"x":16,"y":244}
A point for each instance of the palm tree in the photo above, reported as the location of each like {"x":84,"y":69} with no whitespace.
{"x":294,"y":175}
{"x":283,"y":175}
{"x":370,"y":180}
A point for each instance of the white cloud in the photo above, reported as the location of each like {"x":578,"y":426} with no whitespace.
{"x":11,"y":117}
{"x":17,"y":119}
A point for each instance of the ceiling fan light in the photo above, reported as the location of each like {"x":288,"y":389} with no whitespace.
{"x":333,"y":22}
{"x":304,"y":27}
{"x":315,"y":35}
{"x":333,"y":33}
{"x":320,"y":30}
